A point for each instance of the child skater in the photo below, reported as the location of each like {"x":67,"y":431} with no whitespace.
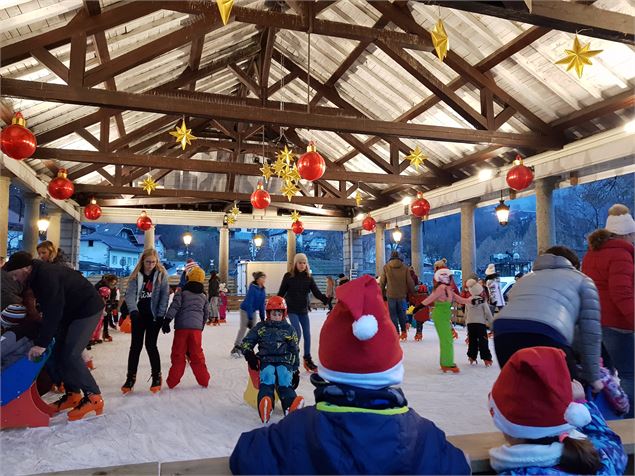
{"x":190,"y":311}
{"x":533,"y":402}
{"x":442,"y":296}
{"x":222,"y":307}
{"x":477,"y":318}
{"x":277,"y":359}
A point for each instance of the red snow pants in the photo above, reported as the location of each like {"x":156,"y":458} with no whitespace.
{"x":187,"y":341}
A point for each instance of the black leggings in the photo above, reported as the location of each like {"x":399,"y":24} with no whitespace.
{"x":144,"y":326}
{"x":505,"y":345}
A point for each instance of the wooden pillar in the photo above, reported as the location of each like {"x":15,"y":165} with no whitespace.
{"x":55,"y":223}
{"x":415,"y":243}
{"x":148,"y":239}
{"x":545,"y":219}
{"x":468,"y":239}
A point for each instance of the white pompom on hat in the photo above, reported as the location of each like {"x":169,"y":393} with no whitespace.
{"x":491,"y":269}
{"x":359,"y":345}
{"x":620,"y":221}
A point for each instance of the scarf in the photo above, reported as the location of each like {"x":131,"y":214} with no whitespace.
{"x":522,"y":456}
{"x":349,"y":396}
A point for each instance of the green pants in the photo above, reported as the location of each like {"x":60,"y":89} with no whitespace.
{"x":441,"y":315}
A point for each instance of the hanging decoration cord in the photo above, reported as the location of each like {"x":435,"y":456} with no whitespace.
{"x":308,"y":76}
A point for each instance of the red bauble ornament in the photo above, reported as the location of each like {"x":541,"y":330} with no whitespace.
{"x":60,"y":187}
{"x":92,"y":211}
{"x":369,"y":223}
{"x":311,"y":165}
{"x":519,"y":176}
{"x":144,"y":223}
{"x":17,"y":141}
{"x":260,"y":198}
{"x":420,"y":207}
{"x":297,"y":227}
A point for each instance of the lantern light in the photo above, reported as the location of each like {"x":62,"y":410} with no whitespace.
{"x":485,"y":174}
{"x":502,"y":212}
{"x":258,"y":241}
{"x":360,"y":216}
{"x":406,"y":200}
{"x":397,"y":234}
{"x":187,"y":238}
{"x":43,"y":224}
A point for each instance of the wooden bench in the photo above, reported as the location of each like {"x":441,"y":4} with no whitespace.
{"x":476,"y":446}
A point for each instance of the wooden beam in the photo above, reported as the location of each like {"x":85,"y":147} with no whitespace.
{"x":151,"y":50}
{"x":78,"y":60}
{"x":205,"y":109}
{"x":463,"y":68}
{"x":196,"y":51}
{"x":269,"y":38}
{"x":88,"y":137}
{"x":487,"y":108}
{"x":51,"y":62}
{"x":503,"y":116}
{"x":142,"y":131}
{"x":563,"y":16}
{"x":104,"y":134}
{"x":430,"y":81}
{"x":311,"y":210}
{"x":275,"y":87}
{"x":84,"y":171}
{"x":244,"y":79}
{"x":210,"y":166}
{"x":368,"y":152}
{"x":164,"y":192}
{"x":470,"y":159}
{"x":606,"y":106}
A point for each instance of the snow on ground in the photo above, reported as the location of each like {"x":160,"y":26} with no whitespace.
{"x":190,"y":422}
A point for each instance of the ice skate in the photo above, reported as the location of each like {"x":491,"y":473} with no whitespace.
{"x":58,"y":388}
{"x":209,"y":322}
{"x":66,"y":402}
{"x":488,"y":363}
{"x":90,"y":403}
{"x":418,"y":337}
{"x":309,"y":365}
{"x":222,"y":321}
{"x":403,"y":336}
{"x":107,"y":339}
{"x":296,"y":404}
{"x":90,"y":365}
{"x":472,"y":361}
{"x":453,"y":369}
{"x":155,"y":386}
{"x":215,"y":322}
{"x":264,"y":409}
{"x":130,"y":381}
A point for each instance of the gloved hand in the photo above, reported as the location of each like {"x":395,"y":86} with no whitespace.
{"x":134,"y":314}
{"x":250,"y":323}
{"x":252,"y":360}
{"x":165,"y":327}
{"x":295,"y":380}
{"x":477,"y":300}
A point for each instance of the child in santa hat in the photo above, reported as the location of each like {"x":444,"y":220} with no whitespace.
{"x":532,"y":403}
{"x":361,"y":423}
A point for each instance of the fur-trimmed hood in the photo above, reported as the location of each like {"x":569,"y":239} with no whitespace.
{"x":598,"y":238}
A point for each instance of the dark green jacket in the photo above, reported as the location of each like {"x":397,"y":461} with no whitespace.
{"x":277,"y":343}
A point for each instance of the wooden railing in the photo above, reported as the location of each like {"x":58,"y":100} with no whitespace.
{"x":476,"y":446}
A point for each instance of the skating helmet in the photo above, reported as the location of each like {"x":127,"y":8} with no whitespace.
{"x":104,"y":292}
{"x":276,"y":303}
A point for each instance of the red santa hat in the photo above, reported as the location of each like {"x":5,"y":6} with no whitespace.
{"x":532,"y":397}
{"x":359,"y":345}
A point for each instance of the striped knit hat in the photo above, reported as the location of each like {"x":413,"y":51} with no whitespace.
{"x":12,"y":315}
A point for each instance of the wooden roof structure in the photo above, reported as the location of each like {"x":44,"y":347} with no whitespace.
{"x":101,"y":83}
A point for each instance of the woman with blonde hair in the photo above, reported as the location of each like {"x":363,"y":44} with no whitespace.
{"x":295,"y":288}
{"x":46,"y":251}
{"x":147,"y":300}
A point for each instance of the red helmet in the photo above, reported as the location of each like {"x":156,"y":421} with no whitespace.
{"x":104,"y":292}
{"x":277,"y":303}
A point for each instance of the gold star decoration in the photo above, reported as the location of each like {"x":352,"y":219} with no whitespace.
{"x":358,"y":198}
{"x":294,"y":174}
{"x":149,"y":185}
{"x":267,"y":171}
{"x":416,"y":157}
{"x":183,"y":135}
{"x":285,"y":155}
{"x":440,"y":40}
{"x":289,"y":190}
{"x":235,"y":211}
{"x":578,"y":57}
{"x":225,"y":8}
{"x":295,"y":216}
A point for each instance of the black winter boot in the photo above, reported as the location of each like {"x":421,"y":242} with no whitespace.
{"x":309,"y":365}
{"x":156,"y":382}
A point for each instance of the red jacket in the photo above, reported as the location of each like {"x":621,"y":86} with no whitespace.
{"x":610,"y":265}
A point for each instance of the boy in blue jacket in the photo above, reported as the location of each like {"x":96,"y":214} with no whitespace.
{"x":361,"y":423}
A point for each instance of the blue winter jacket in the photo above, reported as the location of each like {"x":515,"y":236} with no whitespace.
{"x":254,"y":301}
{"x":330,"y":439}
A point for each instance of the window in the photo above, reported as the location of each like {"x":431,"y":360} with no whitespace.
{"x":364,"y":256}
{"x":91,"y":242}
{"x":324,"y":249}
{"x":403,"y":247}
{"x":113,"y":260}
{"x":242,"y":248}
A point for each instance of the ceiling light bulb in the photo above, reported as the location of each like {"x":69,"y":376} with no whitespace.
{"x":629,"y":127}
{"x":360,"y":216}
{"x":406,"y":200}
{"x":485,"y":174}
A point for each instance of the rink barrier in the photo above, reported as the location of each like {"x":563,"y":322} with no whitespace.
{"x":476,"y":446}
